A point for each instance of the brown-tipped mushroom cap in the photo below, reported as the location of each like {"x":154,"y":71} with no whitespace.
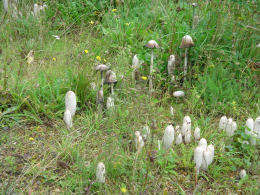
{"x":102,"y":67}
{"x":110,"y":77}
{"x":187,"y":42}
{"x":152,"y":44}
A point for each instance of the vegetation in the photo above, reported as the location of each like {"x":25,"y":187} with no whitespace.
{"x":39,"y":155}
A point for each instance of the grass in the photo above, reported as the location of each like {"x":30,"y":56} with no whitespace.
{"x":39,"y":155}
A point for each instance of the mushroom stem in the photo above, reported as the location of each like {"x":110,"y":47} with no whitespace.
{"x":151,"y":72}
{"x":186,"y":62}
{"x":193,"y":14}
{"x":102,"y":80}
{"x":112,"y":88}
{"x":196,"y":176}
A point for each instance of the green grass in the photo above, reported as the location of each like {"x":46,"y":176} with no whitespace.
{"x":39,"y":155}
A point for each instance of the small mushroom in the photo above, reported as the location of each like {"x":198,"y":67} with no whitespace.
{"x":197,"y":133}
{"x":186,"y":43}
{"x":178,"y":93}
{"x":67,"y":119}
{"x":171,"y":66}
{"x":111,"y":80}
{"x":135,"y":66}
{"x":223,"y":122}
{"x":242,"y":174}
{"x":71,"y":102}
{"x":179,"y":139}
{"x":151,"y":44}
{"x":194,"y":5}
{"x":168,"y":137}
{"x":110,"y":103}
{"x":100,"y":173}
{"x":139,"y":142}
{"x":102,"y":68}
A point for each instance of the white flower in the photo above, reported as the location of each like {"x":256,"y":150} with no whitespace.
{"x":100,"y":173}
{"x":139,"y":143}
{"x":179,"y":139}
{"x":168,"y":137}
{"x":242,"y":173}
{"x":67,"y":119}
{"x":70,"y":102}
{"x":197,"y":133}
{"x":223,"y":122}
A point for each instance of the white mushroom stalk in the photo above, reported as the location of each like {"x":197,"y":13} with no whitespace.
{"x":186,"y":43}
{"x":100,"y":173}
{"x":146,"y":132}
{"x":171,"y":67}
{"x":139,"y":142}
{"x":102,"y":68}
{"x":194,"y":5}
{"x":168,"y":137}
{"x":197,"y":133}
{"x":5,"y":3}
{"x":110,"y":103}
{"x":203,"y":156}
{"x":135,"y":66}
{"x":67,"y":119}
{"x":151,"y":44}
{"x":71,"y":102}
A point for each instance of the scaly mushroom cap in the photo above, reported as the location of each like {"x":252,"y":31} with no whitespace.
{"x":223,"y":122}
{"x":102,"y":67}
{"x":179,"y":139}
{"x":187,"y":137}
{"x":171,"y":62}
{"x":203,"y":143}
{"x":100,"y":173}
{"x":168,"y":137}
{"x":187,"y":42}
{"x":197,"y":133}
{"x":71,"y":102}
{"x":110,"y":77}
{"x":257,"y":127}
{"x":198,"y":156}
{"x":152,"y":44}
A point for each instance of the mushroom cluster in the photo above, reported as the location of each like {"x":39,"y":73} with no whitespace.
{"x":203,"y":156}
{"x":253,"y":129}
{"x":228,"y":125}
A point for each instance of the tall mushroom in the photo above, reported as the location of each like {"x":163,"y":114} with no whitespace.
{"x":151,"y":44}
{"x":186,"y":43}
{"x":111,"y":80}
{"x":194,"y":17}
{"x":171,"y":67}
{"x":102,"y":68}
{"x":135,"y":66}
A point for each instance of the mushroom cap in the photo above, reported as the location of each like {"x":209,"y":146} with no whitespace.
{"x":178,"y":93}
{"x":110,"y":77}
{"x":187,"y":42}
{"x":152,"y":44}
{"x":194,"y":4}
{"x":102,"y":67}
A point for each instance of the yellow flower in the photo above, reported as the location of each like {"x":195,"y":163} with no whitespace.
{"x":211,"y":66}
{"x":234,"y":103}
{"x":54,"y":59}
{"x":86,"y":51}
{"x":114,"y":10}
{"x":123,"y":190}
{"x":144,"y":78}
{"x":98,"y":58}
{"x":105,"y":60}
{"x":91,"y":22}
{"x":31,"y":139}
{"x":127,"y":24}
